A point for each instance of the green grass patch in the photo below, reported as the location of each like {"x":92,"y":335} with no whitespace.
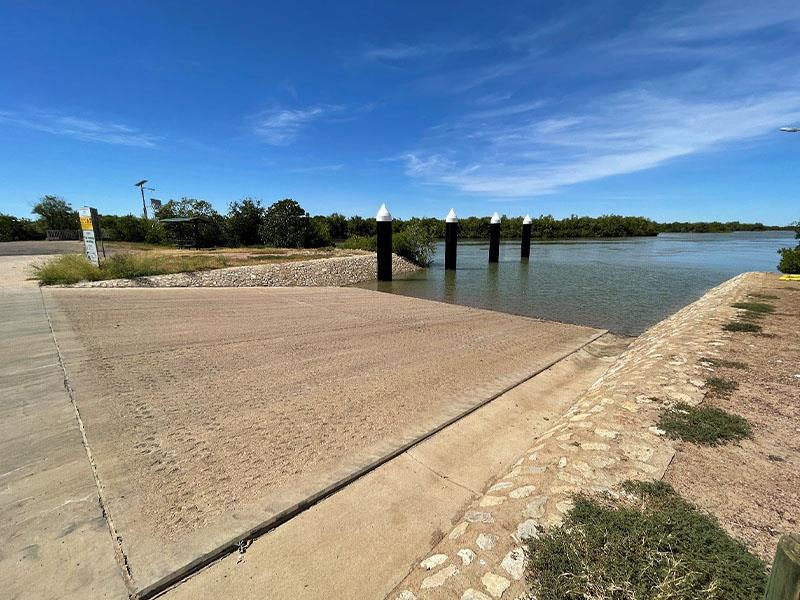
{"x":742,"y":326}
{"x":756,"y":307}
{"x":721,"y":386}
{"x":707,"y":425}
{"x":72,"y":268}
{"x":651,"y":545}
{"x":764,"y":296}
{"x":725,"y":364}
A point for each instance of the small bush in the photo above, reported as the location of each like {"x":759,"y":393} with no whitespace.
{"x":790,"y":260}
{"x":706,"y":425}
{"x":361,"y":242}
{"x":65,"y":269}
{"x":756,"y":307}
{"x":415,"y":243}
{"x":725,"y":364}
{"x":740,"y":326}
{"x":721,"y":386}
{"x":652,"y":545}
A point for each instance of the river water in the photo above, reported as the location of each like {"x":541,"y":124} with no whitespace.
{"x":624,"y":285}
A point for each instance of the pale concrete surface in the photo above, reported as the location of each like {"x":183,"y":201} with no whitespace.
{"x":212,"y":410}
{"x":362,"y":541}
{"x":39,"y":248}
{"x":54,"y":542}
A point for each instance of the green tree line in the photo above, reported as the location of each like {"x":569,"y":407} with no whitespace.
{"x":248,"y":222}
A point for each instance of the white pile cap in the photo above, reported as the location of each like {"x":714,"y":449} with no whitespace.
{"x":451,"y":217}
{"x":527,"y":220}
{"x":495,"y":218}
{"x":383,"y":214}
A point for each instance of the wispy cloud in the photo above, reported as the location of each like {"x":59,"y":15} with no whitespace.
{"x":79,"y":128}
{"x":700,"y":101}
{"x":399,"y":52}
{"x":281,"y":126}
{"x":317,"y":168}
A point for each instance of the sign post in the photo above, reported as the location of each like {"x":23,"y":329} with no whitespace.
{"x":90,"y":227}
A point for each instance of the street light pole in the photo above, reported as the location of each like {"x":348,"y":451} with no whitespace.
{"x":140,"y":185}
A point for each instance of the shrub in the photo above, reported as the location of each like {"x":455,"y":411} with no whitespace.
{"x":721,"y":386}
{"x":361,"y":242}
{"x":756,"y":307}
{"x":127,"y":228}
{"x":13,"y":229}
{"x":703,"y":424}
{"x":317,"y":234}
{"x":739,"y":326}
{"x":725,"y":364}
{"x":790,"y":260}
{"x":65,"y":269}
{"x":416,"y":244}
{"x":649,"y":545}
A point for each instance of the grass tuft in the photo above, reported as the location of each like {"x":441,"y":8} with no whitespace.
{"x":724,"y":364}
{"x":742,"y":326}
{"x":650,"y":545}
{"x":764,"y":296}
{"x":721,"y":386}
{"x":64,"y":269}
{"x":756,"y":307}
{"x":707,"y":425}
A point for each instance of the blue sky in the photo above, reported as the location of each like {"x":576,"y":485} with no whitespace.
{"x":663,"y":109}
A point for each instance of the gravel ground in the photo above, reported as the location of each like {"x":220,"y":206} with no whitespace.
{"x":337,"y":271}
{"x":752,"y":486}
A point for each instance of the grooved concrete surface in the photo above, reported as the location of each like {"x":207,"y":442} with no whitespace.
{"x":211,"y":410}
{"x":362,"y":541}
{"x":54,"y":542}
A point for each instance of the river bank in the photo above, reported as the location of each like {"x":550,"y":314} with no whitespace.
{"x":611,"y":435}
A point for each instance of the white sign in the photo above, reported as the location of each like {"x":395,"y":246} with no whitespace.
{"x":88,"y":218}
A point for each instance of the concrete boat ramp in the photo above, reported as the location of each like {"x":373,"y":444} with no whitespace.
{"x":262,"y":442}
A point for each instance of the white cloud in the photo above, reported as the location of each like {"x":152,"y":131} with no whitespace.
{"x":405,"y":52}
{"x":80,"y":128}
{"x":727,"y":82}
{"x":280,"y":126}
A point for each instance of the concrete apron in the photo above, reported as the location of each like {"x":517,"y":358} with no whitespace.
{"x":54,"y":540}
{"x":363,"y":540}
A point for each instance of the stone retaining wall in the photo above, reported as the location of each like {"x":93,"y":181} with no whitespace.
{"x":336,"y":271}
{"x":607,"y":437}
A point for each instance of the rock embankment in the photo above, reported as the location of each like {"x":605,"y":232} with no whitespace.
{"x":336,"y":271}
{"x":607,"y":437}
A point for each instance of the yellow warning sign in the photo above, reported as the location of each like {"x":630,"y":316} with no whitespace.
{"x":86,"y":223}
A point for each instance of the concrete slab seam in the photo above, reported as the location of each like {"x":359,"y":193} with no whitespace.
{"x":116,"y":539}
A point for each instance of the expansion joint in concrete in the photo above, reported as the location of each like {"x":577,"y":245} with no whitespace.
{"x":116,"y":538}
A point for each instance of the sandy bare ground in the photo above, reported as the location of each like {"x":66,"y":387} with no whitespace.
{"x":210,"y":410}
{"x":753,"y":487}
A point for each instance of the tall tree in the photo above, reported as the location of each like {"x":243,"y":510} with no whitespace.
{"x":56,"y":213}
{"x":243,"y":222}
